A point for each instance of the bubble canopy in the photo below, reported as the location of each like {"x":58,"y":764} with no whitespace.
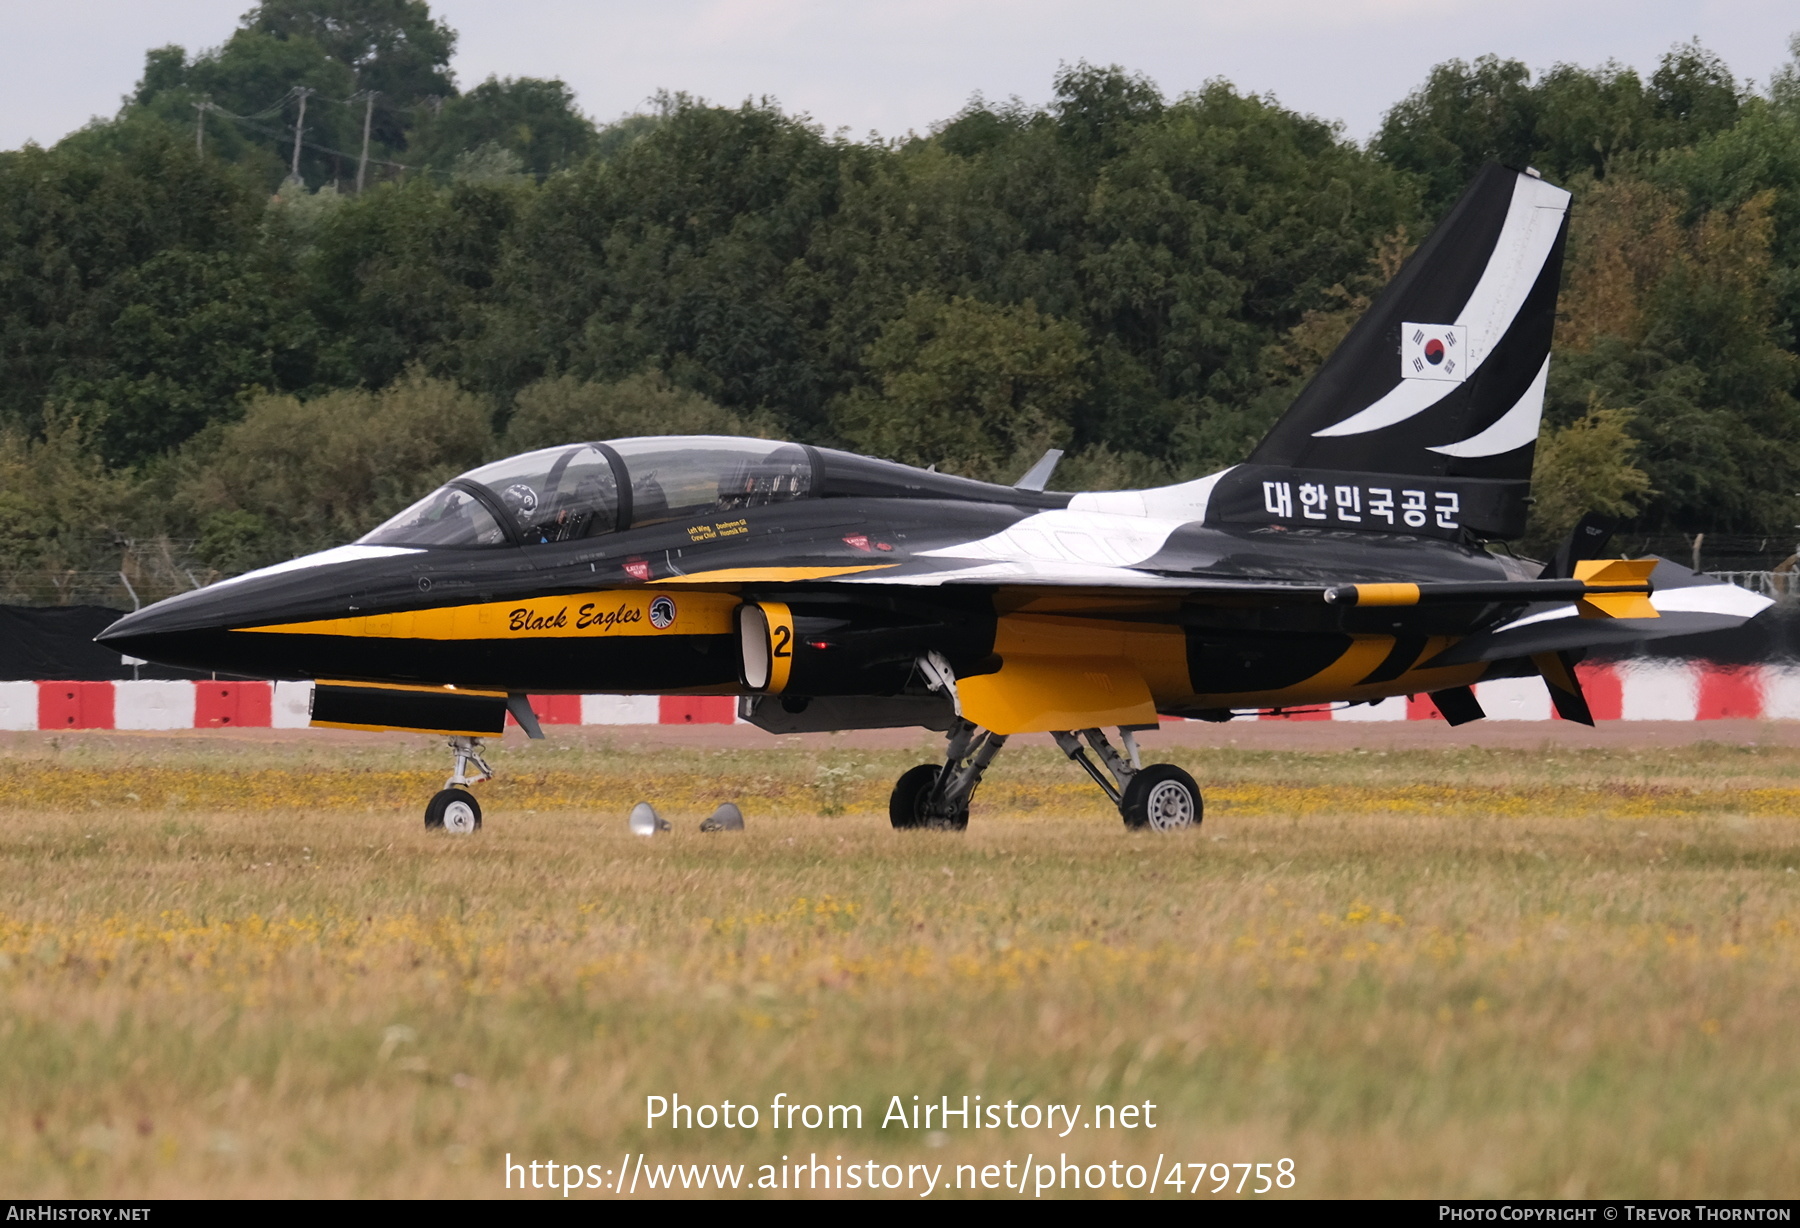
{"x":586,"y":490}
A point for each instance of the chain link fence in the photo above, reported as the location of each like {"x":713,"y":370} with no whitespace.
{"x":1782,"y":586}
{"x":122,"y":574}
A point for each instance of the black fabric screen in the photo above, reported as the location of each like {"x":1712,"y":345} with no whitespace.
{"x":57,"y":642}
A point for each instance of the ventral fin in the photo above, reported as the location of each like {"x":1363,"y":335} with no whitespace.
{"x":1558,"y":672}
{"x":1458,"y":705}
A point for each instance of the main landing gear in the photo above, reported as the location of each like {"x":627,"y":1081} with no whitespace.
{"x":938,"y":797}
{"x":1160,"y":797}
{"x":453,"y":808}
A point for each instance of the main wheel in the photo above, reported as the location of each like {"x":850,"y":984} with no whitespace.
{"x":912,"y":792}
{"x":453,"y":810}
{"x":1162,"y":797}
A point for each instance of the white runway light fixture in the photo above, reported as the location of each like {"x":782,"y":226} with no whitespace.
{"x":645,"y":821}
{"x":726,"y":818}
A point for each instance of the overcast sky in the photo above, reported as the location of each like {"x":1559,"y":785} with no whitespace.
{"x":898,"y":65}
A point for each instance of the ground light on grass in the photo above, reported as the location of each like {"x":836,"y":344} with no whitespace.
{"x":1444,"y":973}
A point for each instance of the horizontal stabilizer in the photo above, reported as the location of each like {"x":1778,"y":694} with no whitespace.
{"x":1685,"y":602}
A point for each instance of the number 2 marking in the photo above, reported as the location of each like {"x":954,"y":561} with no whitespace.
{"x":782,"y":636}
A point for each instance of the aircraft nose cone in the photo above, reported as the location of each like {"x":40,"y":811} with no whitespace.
{"x":119,"y":636}
{"x":129,"y":632}
{"x":170,"y":632}
{"x":204,"y":629}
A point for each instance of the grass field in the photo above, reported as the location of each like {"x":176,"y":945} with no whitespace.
{"x":241,"y":968}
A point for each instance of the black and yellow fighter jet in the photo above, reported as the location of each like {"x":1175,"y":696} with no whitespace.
{"x":1346,"y":561}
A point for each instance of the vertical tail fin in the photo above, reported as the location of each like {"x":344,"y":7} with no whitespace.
{"x":1425,"y":419}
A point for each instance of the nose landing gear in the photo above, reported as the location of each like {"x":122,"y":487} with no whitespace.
{"x":453,"y":808}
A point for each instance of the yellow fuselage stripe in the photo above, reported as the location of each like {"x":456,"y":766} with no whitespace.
{"x":598,"y":615}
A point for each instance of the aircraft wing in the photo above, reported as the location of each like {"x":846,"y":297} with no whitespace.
{"x":1089,"y":550}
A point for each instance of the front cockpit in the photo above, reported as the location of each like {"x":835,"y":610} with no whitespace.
{"x":587,"y":490}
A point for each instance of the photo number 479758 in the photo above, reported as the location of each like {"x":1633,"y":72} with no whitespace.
{"x":1251,"y":1178}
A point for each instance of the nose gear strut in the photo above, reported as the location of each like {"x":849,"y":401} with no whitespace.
{"x":467,"y":751}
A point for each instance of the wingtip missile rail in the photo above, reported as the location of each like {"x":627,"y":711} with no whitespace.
{"x":1602,"y":588}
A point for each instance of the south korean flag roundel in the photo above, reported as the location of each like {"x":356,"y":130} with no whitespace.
{"x":1433,"y":351}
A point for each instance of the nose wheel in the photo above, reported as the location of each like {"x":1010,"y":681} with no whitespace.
{"x":453,"y":808}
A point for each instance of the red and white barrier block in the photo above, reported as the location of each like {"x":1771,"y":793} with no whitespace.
{"x":1650,"y":690}
{"x":1630,"y":691}
{"x":288,"y":705}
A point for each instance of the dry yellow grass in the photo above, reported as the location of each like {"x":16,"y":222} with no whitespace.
{"x":1475,"y":973}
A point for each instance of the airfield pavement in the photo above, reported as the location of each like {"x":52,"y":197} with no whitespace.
{"x":1501,"y":960}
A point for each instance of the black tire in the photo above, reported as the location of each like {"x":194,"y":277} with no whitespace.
{"x":453,"y":810}
{"x":1162,"y":797}
{"x":906,"y":805}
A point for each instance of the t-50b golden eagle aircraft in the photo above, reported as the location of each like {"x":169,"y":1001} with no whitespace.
{"x":1344,"y":562}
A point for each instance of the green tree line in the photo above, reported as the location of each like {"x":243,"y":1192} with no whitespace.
{"x":211,"y":363}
